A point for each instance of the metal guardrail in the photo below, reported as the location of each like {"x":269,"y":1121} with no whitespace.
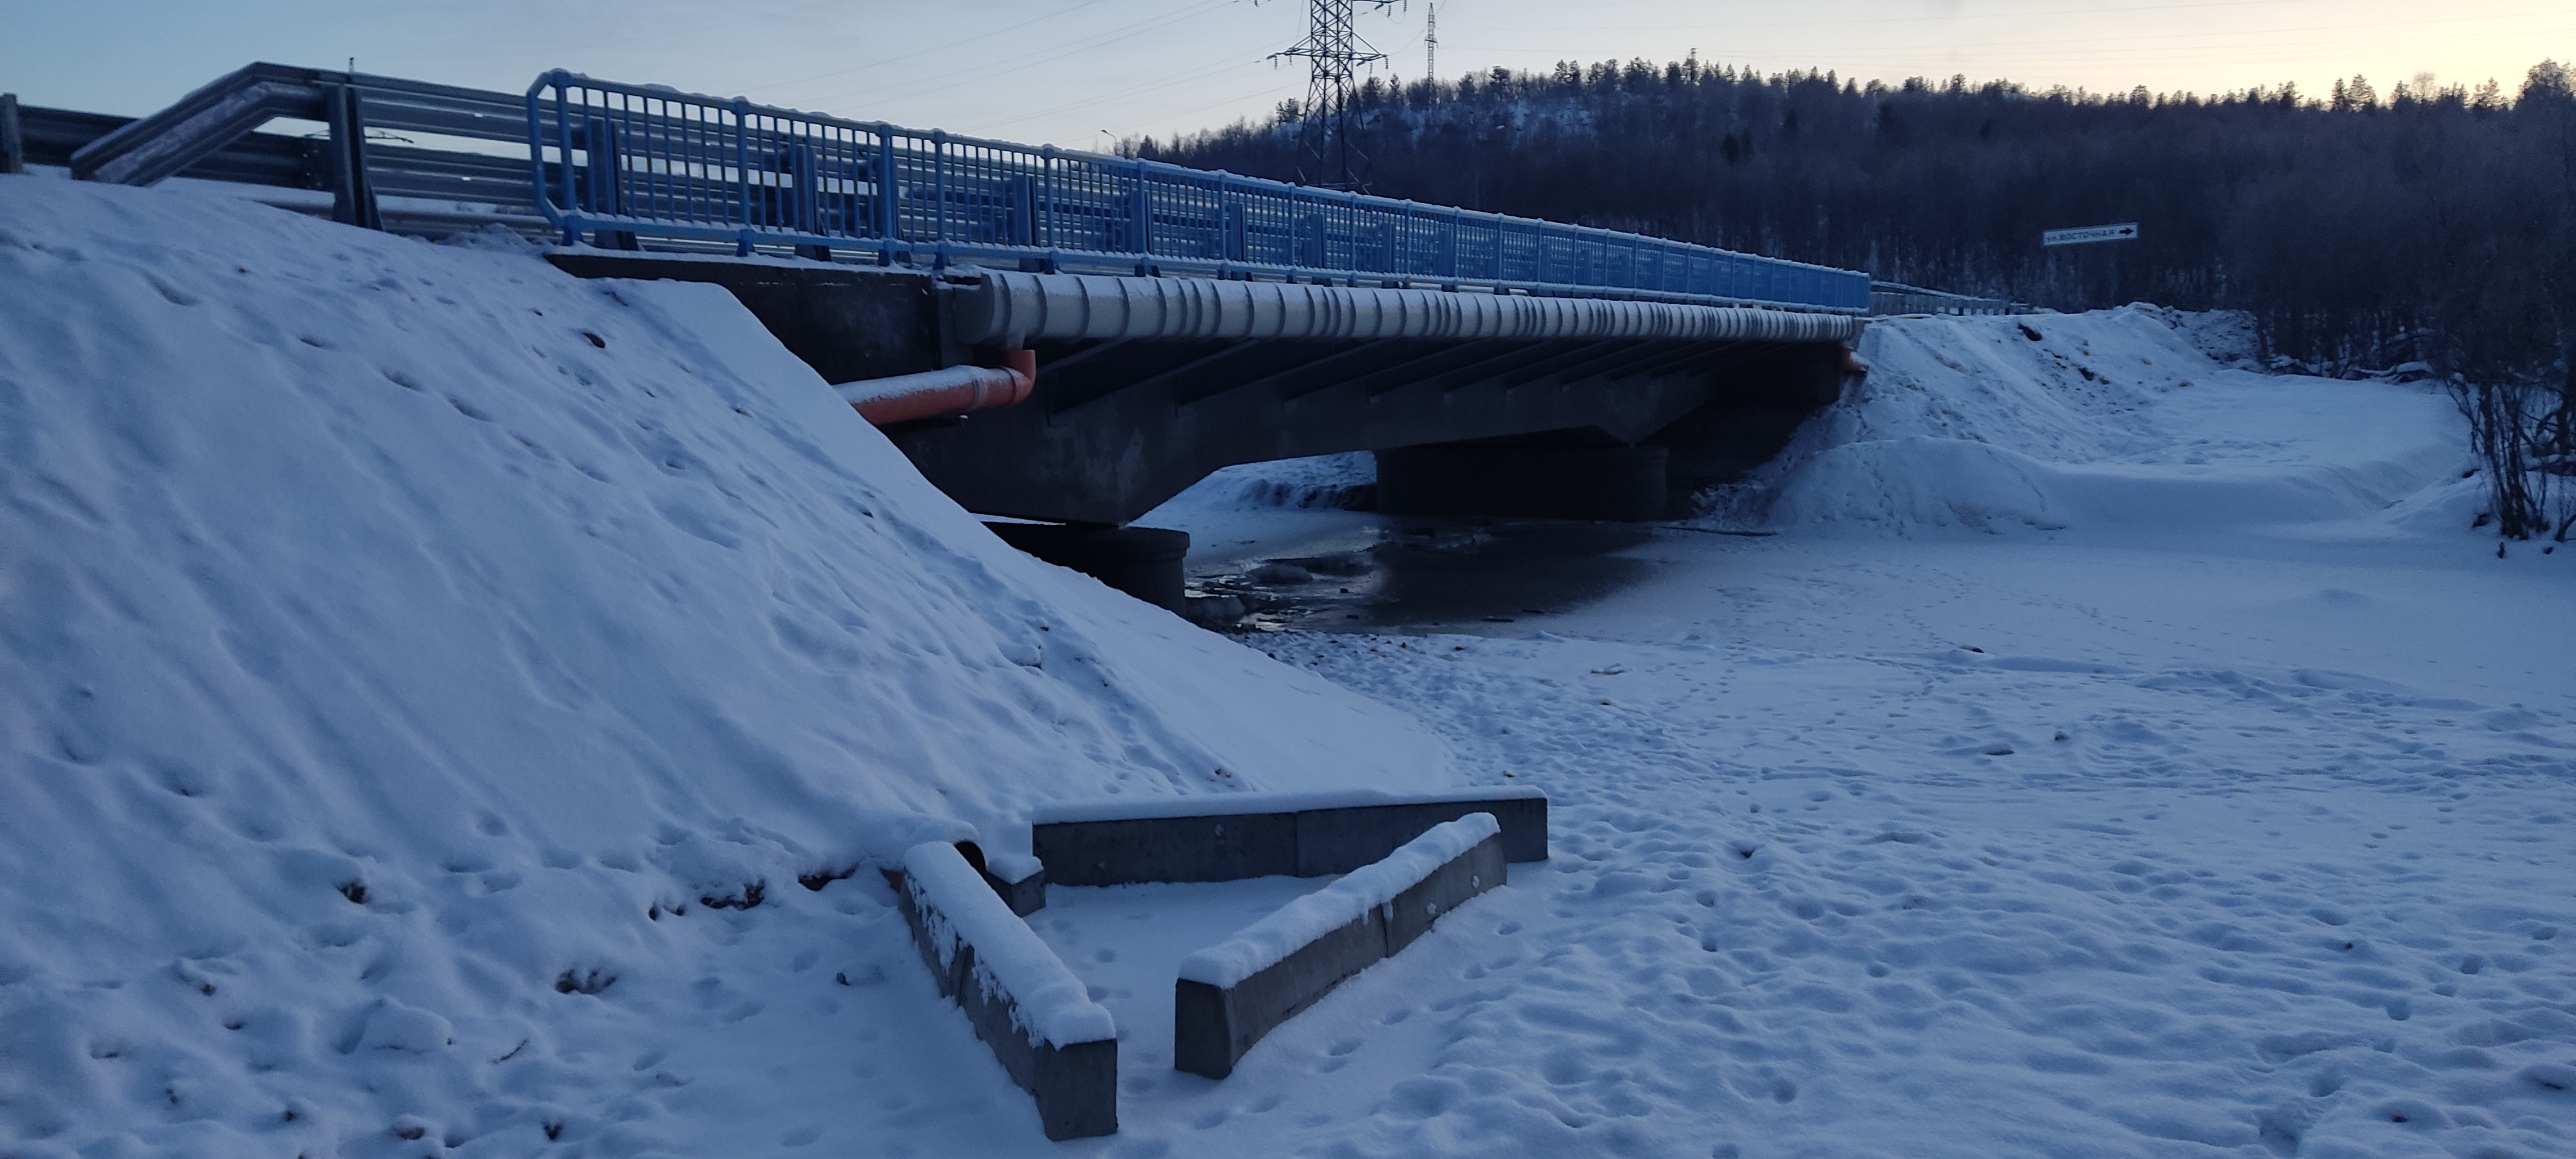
{"x":1899,"y":298}
{"x":361,"y":158}
{"x":619,"y":160}
{"x":703,"y":172}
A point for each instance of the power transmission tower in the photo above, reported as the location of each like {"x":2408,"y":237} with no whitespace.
{"x":1335,"y":51}
{"x":1431,"y":41}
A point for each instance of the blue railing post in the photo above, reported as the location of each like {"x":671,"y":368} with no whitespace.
{"x":1140,"y":219}
{"x":554,"y":199}
{"x":599,"y":175}
{"x":1044,"y":223}
{"x":889,"y":205}
{"x":742,"y":175}
{"x":938,"y":199}
{"x":808,"y":206}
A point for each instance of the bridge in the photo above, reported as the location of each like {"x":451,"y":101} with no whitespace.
{"x":1159,"y":322}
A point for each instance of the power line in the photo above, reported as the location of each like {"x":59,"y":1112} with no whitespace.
{"x":1221,"y":66}
{"x":988,"y":68}
{"x":920,"y":53}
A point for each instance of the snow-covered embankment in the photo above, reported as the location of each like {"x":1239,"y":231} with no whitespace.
{"x":429,"y":676}
{"x":2114,"y":419}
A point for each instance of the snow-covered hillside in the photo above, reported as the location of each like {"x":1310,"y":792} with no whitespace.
{"x":427,"y":677}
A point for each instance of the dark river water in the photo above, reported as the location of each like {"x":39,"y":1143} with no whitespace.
{"x":1345,"y":571}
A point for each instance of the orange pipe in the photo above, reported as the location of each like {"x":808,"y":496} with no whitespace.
{"x":954,"y":390}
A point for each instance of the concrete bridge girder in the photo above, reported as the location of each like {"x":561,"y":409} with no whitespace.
{"x":1113,"y":453}
{"x":1145,"y":385}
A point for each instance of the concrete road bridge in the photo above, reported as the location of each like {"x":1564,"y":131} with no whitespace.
{"x":1068,"y":336}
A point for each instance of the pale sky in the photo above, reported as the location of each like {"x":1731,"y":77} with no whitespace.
{"x":1065,"y":71}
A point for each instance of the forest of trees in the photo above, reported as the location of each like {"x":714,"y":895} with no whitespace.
{"x":2432,"y":224}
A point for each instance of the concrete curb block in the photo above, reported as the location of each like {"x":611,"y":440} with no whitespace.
{"x":1018,"y":878}
{"x":1019,"y":881}
{"x":1075,"y":1083}
{"x":1212,"y":1026}
{"x":1233,"y":837}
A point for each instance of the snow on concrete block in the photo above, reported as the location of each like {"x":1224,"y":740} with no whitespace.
{"x":1236,"y":836}
{"x":1231,"y":994}
{"x":1339,"y":840}
{"x":1040,"y":1022}
{"x":1019,"y":879}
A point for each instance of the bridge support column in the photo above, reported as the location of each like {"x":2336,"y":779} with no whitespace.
{"x":1144,"y":562}
{"x":1531,"y":481}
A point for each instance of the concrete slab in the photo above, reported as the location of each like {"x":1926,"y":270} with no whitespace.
{"x":1075,"y":1084}
{"x":1295,"y":838}
{"x":1213,"y":1026}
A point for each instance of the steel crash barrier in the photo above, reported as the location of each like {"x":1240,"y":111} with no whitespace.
{"x":619,"y":161}
{"x":1899,"y":298}
{"x":387,"y":153}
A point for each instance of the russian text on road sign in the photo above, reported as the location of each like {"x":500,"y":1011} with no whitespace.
{"x":2125,"y":231}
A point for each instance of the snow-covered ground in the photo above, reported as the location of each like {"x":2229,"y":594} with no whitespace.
{"x":413,"y":657}
{"x":2088,"y":766}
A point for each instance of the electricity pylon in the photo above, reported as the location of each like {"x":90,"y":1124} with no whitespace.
{"x":1335,"y":51}
{"x":1431,"y":41}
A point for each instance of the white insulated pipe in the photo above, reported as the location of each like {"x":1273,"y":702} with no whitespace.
{"x":1011,"y":309}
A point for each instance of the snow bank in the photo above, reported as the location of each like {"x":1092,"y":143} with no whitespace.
{"x":1289,"y":928}
{"x":2118,"y":419}
{"x":395,"y":629}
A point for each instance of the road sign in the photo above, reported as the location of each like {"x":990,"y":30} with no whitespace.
{"x":2125,"y":231}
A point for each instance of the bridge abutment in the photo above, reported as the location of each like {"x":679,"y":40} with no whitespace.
{"x":1144,"y":562}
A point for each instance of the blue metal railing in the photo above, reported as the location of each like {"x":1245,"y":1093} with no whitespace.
{"x":645,"y":160}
